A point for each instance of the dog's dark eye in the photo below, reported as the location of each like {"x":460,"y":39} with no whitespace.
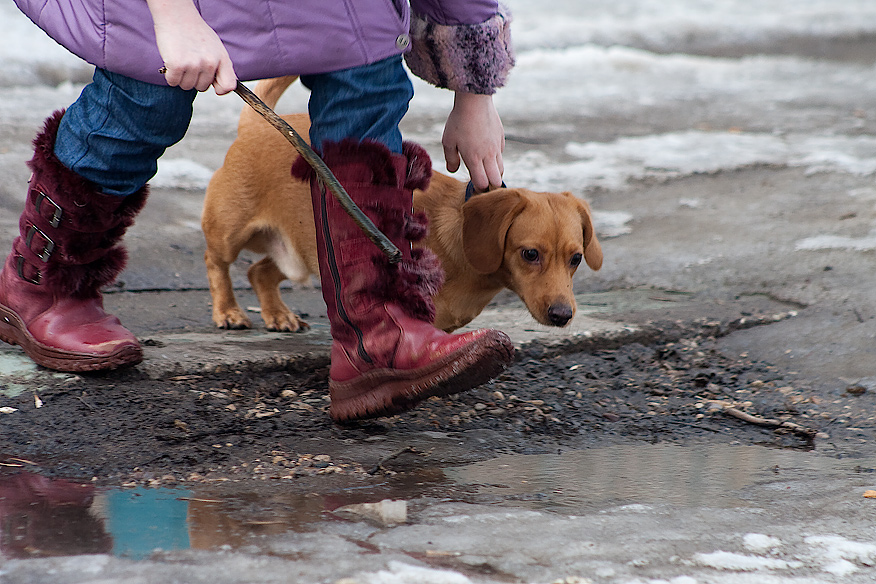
{"x":576,"y":260}
{"x":530,"y":255}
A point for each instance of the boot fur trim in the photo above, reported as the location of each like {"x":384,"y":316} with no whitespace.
{"x":378,"y":157}
{"x":87,"y":255}
{"x":373,"y":155}
{"x":416,"y":226}
{"x":75,"y":193}
{"x":86,"y":280}
{"x":419,"y":166}
{"x":411,"y":283}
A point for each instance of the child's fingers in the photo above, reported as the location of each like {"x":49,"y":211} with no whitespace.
{"x":226,"y":79}
{"x":451,"y":157}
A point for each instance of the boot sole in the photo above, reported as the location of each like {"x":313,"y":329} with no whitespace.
{"x":385,"y":392}
{"x":14,"y":332}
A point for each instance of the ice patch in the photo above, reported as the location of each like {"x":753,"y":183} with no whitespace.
{"x":851,"y":154}
{"x":492,"y":517}
{"x":740,"y":563}
{"x":676,"y":580}
{"x":840,"y":553}
{"x":670,"y":25}
{"x":758,"y":542}
{"x":89,"y":564}
{"x":690,"y":203}
{"x":181,"y":173}
{"x":595,"y":81}
{"x":631,"y":508}
{"x":613,"y":165}
{"x":840,"y":568}
{"x":401,"y":573}
{"x":820,"y":242}
{"x":863,"y":193}
{"x":681,"y":153}
{"x":612,"y":223}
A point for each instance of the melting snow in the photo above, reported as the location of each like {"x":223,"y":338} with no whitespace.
{"x":738,"y":562}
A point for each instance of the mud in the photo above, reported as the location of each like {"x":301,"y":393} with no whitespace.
{"x":244,"y":428}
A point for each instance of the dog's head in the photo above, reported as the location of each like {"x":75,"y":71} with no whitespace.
{"x":534,"y":242}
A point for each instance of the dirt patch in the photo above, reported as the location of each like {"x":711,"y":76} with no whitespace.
{"x":123,"y":429}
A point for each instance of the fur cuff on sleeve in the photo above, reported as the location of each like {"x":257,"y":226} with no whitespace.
{"x":473,"y":58}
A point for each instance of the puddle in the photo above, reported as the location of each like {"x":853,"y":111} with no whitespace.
{"x":41,"y":517}
{"x":627,"y":301}
{"x":690,"y":475}
{"x":45,"y":517}
{"x":48,"y":517}
{"x":140,"y":520}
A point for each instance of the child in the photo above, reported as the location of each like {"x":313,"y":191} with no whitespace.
{"x":92,"y":162}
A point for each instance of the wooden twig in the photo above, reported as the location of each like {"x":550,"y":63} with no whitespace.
{"x":331,"y":182}
{"x":797,"y":429}
{"x":90,"y":407}
{"x":24,"y":460}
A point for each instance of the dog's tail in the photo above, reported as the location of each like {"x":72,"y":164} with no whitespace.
{"x":269,"y":91}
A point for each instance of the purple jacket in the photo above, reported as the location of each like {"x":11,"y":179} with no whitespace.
{"x":459,"y":44}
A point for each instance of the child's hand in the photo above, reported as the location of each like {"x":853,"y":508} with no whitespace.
{"x":194,"y":56}
{"x":475,"y":133}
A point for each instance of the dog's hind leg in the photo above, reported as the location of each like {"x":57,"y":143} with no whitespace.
{"x":265,"y":278}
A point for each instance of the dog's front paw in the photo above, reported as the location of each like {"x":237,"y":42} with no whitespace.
{"x":287,"y":322}
{"x":232,"y":320}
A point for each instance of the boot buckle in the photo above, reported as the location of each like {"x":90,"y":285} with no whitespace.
{"x":56,"y":216}
{"x":48,"y":248}
{"x":20,"y":266}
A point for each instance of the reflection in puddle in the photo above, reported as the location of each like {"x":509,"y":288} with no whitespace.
{"x":231,"y":523}
{"x":42,"y":517}
{"x":690,"y":475}
{"x":46,"y":517}
{"x":141,"y":520}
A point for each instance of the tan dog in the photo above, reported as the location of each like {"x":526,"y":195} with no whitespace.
{"x":531,"y":243}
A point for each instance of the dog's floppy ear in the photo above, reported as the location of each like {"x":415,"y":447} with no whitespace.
{"x":592,"y":249}
{"x":486,"y":219}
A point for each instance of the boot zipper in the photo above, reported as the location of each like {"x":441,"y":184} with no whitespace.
{"x":336,"y":278}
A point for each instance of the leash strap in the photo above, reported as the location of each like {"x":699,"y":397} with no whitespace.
{"x":470,"y":190}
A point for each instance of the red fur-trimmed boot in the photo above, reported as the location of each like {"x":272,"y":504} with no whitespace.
{"x":386,"y":355}
{"x":68,"y":248}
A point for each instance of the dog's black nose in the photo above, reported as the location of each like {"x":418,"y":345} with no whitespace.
{"x":559,"y":314}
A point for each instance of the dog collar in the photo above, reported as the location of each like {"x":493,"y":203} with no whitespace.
{"x":470,"y":189}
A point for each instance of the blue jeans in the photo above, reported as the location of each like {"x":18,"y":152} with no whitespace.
{"x":117,"y":129}
{"x":115,"y":132}
{"x":365,"y":102}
